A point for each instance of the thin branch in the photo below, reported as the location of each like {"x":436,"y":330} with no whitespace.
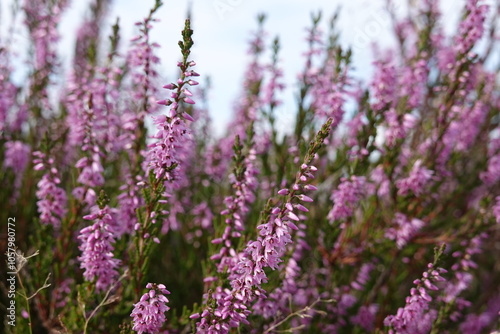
{"x":300,"y":313}
{"x":104,"y":301}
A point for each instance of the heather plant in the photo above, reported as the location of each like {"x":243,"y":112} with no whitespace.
{"x":377,"y":212}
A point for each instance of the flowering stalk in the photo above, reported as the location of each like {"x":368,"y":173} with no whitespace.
{"x":17,"y":155}
{"x":172,"y":129}
{"x":453,"y":303}
{"x":404,"y":229}
{"x":346,"y":198}
{"x":91,"y":174}
{"x":149,"y":313}
{"x":42,"y":19}
{"x":266,"y":251}
{"x":8,"y":94}
{"x":244,"y":184}
{"x":416,"y":317}
{"x":290,"y":290}
{"x":329,"y":84}
{"x":52,"y":199}
{"x":142,"y":60}
{"x":164,"y":158}
{"x":97,"y":247}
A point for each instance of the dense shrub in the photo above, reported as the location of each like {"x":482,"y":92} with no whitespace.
{"x":378,"y":212}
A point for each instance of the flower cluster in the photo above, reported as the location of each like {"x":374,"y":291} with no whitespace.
{"x":17,"y":155}
{"x":8,"y":91}
{"x":143,"y":61}
{"x":51,"y":197}
{"x":471,"y":29}
{"x":265,"y":252}
{"x":404,"y":229}
{"x":173,"y":133}
{"x":416,"y":182}
{"x":416,"y":317}
{"x":128,"y":202}
{"x":244,"y":184}
{"x":248,"y":274}
{"x":346,"y":197}
{"x":398,"y":126}
{"x":149,"y":313}
{"x":383,"y":84}
{"x":97,"y":250}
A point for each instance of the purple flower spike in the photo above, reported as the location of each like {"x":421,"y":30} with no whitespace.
{"x":149,"y":313}
{"x":97,"y":250}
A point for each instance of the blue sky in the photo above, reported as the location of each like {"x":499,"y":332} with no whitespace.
{"x":222,"y":29}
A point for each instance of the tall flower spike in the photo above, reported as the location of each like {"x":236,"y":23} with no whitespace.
{"x":416,"y":182}
{"x":51,"y":198}
{"x":143,"y":60}
{"x":417,"y":316}
{"x":149,"y":313}
{"x":265,"y":252}
{"x":346,"y":197}
{"x":97,"y":249}
{"x":17,"y":155}
{"x":172,"y":131}
{"x":243,"y":184}
{"x":404,"y":229}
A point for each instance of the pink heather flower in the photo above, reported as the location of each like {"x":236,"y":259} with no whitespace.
{"x":171,"y":137}
{"x":382,"y":184}
{"x":237,"y":207}
{"x":143,"y":62}
{"x":8,"y":91}
{"x":97,"y":250}
{"x":203,"y":215}
{"x":478,"y":323}
{"x":52,"y":199}
{"x":173,"y":133}
{"x":462,"y":277}
{"x":17,"y":155}
{"x":248,"y":274}
{"x":416,"y":317}
{"x":414,"y":82}
{"x":274,"y":86}
{"x":471,"y":29}
{"x":86,"y":35}
{"x":404,"y":229}
{"x":346,"y":197}
{"x":354,"y":127}
{"x":398,"y":127}
{"x":248,"y":106}
{"x":42,"y":20}
{"x":328,"y":91}
{"x":129,"y":201}
{"x":92,"y":102}
{"x":363,"y":276}
{"x":62,"y":292}
{"x":290,"y":290}
{"x":416,"y":182}
{"x":92,"y":170}
{"x":491,"y":176}
{"x":148,"y":314}
{"x":468,"y":126}
{"x":384,"y":84}
{"x":366,"y":317}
